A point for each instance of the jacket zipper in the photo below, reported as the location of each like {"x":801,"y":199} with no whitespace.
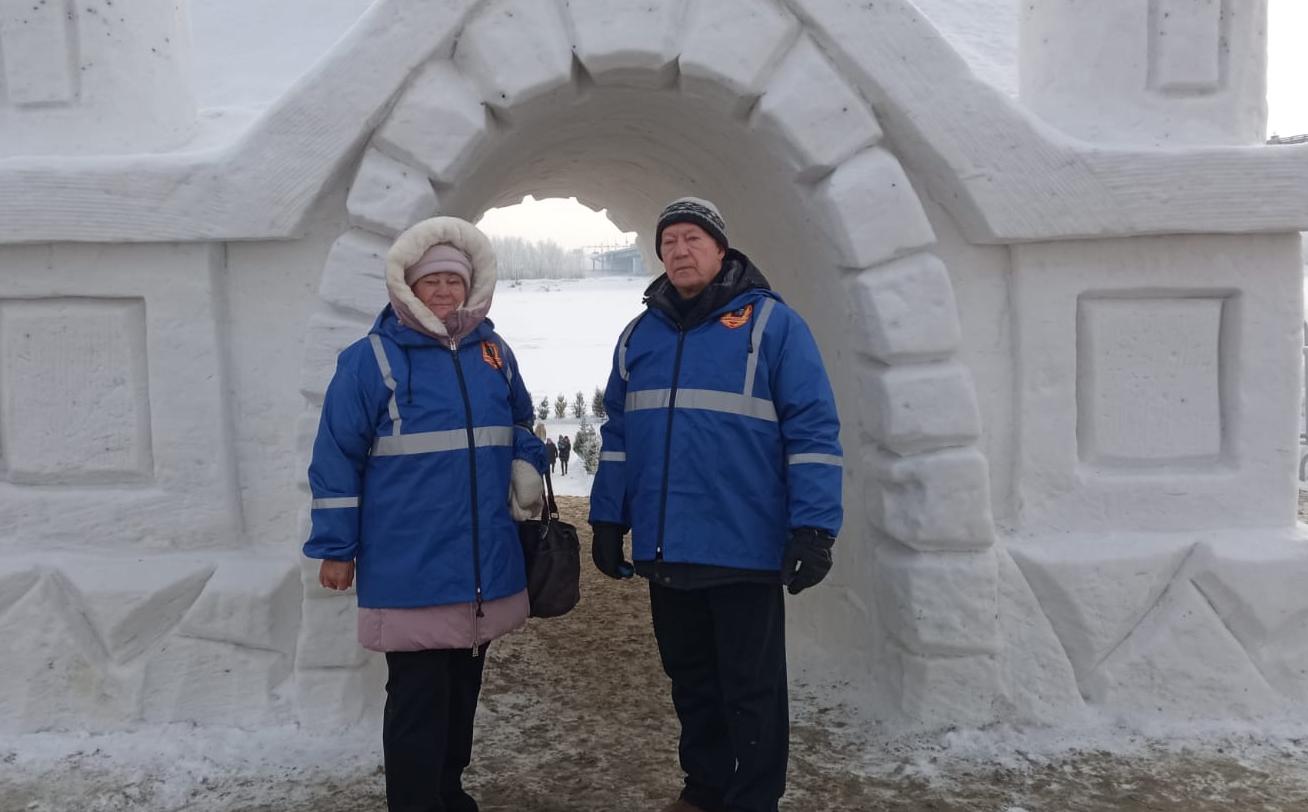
{"x":667,"y":442}
{"x":472,"y":472}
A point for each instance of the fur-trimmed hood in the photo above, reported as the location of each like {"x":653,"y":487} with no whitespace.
{"x":411,"y":245}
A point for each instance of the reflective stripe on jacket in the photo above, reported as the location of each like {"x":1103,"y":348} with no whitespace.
{"x":393,"y":462}
{"x":721,"y":439}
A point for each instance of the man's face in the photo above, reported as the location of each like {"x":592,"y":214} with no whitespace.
{"x":691,"y":257}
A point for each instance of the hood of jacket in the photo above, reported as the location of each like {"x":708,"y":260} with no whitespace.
{"x":411,"y":245}
{"x":738,"y":275}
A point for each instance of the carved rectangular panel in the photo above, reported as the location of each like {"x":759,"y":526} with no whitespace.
{"x":74,"y":394}
{"x":1185,"y":45}
{"x":1149,"y":380}
{"x":38,"y":42}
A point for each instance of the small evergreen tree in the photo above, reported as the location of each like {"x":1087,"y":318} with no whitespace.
{"x":579,"y":406}
{"x":587,"y":445}
{"x":597,"y":403}
{"x":582,"y":436}
{"x":560,"y":407}
{"x":543,"y":408}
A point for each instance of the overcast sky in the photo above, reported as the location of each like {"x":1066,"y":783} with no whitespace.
{"x":575,"y":226}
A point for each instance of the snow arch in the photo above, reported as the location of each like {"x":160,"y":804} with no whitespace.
{"x":627,"y":105}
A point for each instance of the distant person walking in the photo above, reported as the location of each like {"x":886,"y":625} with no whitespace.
{"x":551,"y":453}
{"x":565,"y":451}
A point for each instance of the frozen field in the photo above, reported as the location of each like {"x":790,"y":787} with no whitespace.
{"x":564,"y":330}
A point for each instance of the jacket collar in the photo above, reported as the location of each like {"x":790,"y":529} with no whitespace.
{"x":738,"y":276}
{"x":389,"y":325}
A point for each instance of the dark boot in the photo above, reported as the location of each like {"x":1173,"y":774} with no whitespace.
{"x":458,"y":801}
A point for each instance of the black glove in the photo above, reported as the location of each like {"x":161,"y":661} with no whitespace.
{"x":807,"y":560}
{"x":606,"y":550}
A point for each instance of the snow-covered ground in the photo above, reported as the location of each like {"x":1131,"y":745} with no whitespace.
{"x":577,"y":482}
{"x":563,"y":332}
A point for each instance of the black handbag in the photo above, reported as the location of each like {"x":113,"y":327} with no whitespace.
{"x":552,"y":553}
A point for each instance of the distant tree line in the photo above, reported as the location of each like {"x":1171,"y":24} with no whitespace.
{"x":578,"y":406}
{"x":537,"y":259}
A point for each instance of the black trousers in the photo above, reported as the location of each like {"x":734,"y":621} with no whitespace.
{"x":724,"y":648}
{"x":431,"y":699}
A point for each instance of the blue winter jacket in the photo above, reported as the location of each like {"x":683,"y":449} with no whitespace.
{"x":394,"y":482}
{"x":720,"y":439}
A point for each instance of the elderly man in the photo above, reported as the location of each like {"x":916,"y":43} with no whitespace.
{"x":721,"y":455}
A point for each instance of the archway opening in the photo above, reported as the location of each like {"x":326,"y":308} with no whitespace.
{"x":569,"y":281}
{"x":632,"y":150}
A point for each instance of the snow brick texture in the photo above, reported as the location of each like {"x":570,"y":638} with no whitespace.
{"x":516,"y":59}
{"x":1016,"y":567}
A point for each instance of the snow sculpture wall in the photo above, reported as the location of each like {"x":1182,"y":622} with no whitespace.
{"x":94,"y":77}
{"x":1160,"y":71}
{"x":992,"y":300}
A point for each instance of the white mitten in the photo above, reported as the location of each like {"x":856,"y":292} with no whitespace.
{"x":526,"y":492}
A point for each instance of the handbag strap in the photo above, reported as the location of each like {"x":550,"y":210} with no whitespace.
{"x":550,"y":510}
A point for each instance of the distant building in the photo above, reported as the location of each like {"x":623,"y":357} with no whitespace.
{"x":625,"y":261}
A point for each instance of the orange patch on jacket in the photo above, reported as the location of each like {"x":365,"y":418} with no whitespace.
{"x":490,"y":353}
{"x":739,"y":317}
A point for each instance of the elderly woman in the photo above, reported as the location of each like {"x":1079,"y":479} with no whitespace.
{"x":424,"y":458}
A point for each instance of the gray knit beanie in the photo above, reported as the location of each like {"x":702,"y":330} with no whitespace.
{"x":440,"y":258}
{"x":692,"y":210}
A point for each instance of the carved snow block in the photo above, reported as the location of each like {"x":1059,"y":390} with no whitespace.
{"x":56,"y":675}
{"x":74,"y":391}
{"x":16,"y":579}
{"x":329,"y":634}
{"x":1095,"y":591}
{"x":252,"y":603}
{"x":811,"y":115}
{"x":627,"y":42}
{"x":439,"y":93}
{"x":1149,"y":381}
{"x":949,"y":691}
{"x":354,"y":277}
{"x":517,"y":50}
{"x":131,"y":606}
{"x":1037,"y":675}
{"x":919,"y":407}
{"x":1258,"y":591}
{"x":1185,"y":45}
{"x":905,"y":310}
{"x":939,"y":603}
{"x":870,"y":211}
{"x":931,"y":502}
{"x":38,"y":43}
{"x":333,"y":699}
{"x":388,"y":196}
{"x":1181,"y":661}
{"x":324,"y":339}
{"x":214,"y":683}
{"x":730,"y":47}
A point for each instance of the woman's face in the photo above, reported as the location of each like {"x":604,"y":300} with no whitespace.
{"x":442,"y":292}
